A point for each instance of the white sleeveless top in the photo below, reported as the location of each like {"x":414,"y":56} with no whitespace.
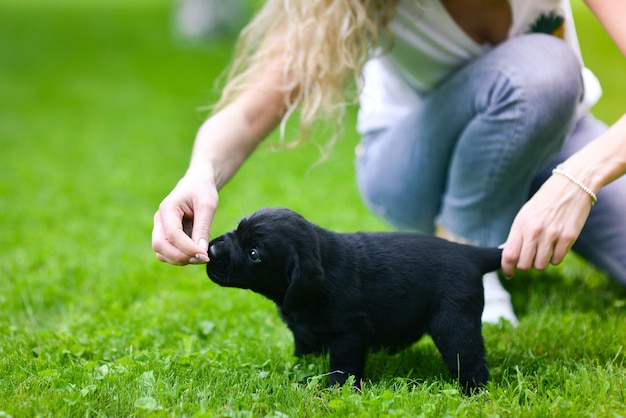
{"x":429,"y":46}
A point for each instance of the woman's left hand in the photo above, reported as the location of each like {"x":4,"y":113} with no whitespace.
{"x":546,"y":227}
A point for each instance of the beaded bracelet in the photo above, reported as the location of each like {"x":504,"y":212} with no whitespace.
{"x":592,"y":195}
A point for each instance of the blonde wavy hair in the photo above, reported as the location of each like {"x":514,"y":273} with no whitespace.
{"x":321,"y":45}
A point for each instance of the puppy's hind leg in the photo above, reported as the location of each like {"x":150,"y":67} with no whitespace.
{"x":460,"y":342}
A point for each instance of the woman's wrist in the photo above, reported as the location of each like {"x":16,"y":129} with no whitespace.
{"x":202,"y":172}
{"x":602,"y":160}
{"x":560,"y":170}
{"x":585,"y":172}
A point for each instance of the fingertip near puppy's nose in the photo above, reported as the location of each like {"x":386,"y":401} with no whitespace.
{"x":199,"y":259}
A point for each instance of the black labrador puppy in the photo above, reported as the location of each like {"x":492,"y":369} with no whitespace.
{"x":346,"y":293}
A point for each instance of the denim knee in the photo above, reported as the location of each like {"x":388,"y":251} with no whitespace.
{"x":536,"y":70}
{"x":544,"y":52}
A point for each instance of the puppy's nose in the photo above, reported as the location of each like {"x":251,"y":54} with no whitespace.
{"x":214,"y":250}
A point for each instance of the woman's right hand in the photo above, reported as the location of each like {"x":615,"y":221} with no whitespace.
{"x":181,"y":225}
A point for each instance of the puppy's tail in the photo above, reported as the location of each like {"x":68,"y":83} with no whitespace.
{"x":487,"y":258}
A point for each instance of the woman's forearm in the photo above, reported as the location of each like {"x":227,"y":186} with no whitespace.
{"x":611,"y":14}
{"x":602,"y":160}
{"x":228,"y":137}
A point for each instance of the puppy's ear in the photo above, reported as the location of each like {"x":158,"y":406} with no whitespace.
{"x":306,"y":279}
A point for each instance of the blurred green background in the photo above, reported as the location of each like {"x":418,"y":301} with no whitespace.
{"x":99,"y":104}
{"x":100,"y":101}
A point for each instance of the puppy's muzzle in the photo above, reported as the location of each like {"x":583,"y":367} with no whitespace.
{"x":219,"y":260}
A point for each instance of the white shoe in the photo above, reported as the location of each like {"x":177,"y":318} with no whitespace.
{"x":497,"y":302}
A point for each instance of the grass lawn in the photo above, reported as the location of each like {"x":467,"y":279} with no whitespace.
{"x":98,"y":108}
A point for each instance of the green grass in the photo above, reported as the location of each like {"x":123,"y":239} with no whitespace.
{"x":98,"y":109}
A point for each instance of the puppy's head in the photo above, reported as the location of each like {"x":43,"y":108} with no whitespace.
{"x":274,"y":252}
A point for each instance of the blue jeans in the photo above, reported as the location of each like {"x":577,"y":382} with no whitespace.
{"x":482,"y":142}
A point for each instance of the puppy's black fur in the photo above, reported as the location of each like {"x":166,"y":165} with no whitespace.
{"x":347,"y":293}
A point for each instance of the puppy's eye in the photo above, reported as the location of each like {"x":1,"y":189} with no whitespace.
{"x":254,"y":255}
